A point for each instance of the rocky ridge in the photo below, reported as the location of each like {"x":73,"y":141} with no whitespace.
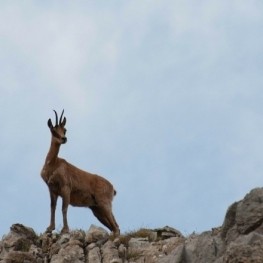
{"x":238,"y":240}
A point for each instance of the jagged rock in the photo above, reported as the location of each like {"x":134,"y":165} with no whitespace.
{"x":136,"y":246}
{"x":205,"y":247}
{"x":71,"y":252}
{"x":140,"y":242}
{"x":141,"y":250}
{"x":15,"y":247}
{"x":96,"y":234}
{"x":175,"y":256}
{"x":239,"y":240}
{"x":19,"y":257}
{"x":110,"y":253}
{"x":244,"y":216}
{"x":229,"y":228}
{"x":122,"y":252}
{"x":244,"y":253}
{"x":167,"y":232}
{"x":68,"y":248}
{"x":78,"y":235}
{"x":249,"y":213}
{"x":93,"y":255}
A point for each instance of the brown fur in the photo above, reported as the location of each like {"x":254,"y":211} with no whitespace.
{"x":75,"y":186}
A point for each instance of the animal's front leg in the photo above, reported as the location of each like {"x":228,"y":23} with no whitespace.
{"x":65,"y":202}
{"x":53,"y":204}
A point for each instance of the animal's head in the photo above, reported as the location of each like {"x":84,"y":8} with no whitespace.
{"x":58,"y":131}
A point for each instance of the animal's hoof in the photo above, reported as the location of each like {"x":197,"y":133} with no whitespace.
{"x":49,"y":229}
{"x":64,"y":230}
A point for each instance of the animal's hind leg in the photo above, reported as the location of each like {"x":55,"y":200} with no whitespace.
{"x":101,"y":216}
{"x":114,"y":224}
{"x":117,"y":229}
{"x":106,"y":217}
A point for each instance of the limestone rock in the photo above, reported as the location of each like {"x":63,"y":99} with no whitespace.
{"x":110,"y":253}
{"x":249,"y":213}
{"x":167,"y":232}
{"x":205,"y":247}
{"x":96,"y":234}
{"x":244,"y":216}
{"x":19,"y":257}
{"x":15,"y":247}
{"x":239,"y":239}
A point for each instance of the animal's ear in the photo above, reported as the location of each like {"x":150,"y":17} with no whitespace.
{"x":49,"y":124}
{"x":64,"y":121}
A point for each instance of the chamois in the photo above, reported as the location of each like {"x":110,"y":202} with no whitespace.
{"x":76,"y":187}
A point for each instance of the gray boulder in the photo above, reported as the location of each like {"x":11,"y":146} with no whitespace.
{"x":239,"y":239}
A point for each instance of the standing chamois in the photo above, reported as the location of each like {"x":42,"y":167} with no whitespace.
{"x":74,"y":186}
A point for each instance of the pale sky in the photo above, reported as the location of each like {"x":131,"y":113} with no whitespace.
{"x":162,"y":98}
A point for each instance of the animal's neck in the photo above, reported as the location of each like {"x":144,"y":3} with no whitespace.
{"x":53,"y":152}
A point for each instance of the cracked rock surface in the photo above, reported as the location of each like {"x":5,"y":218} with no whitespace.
{"x":239,"y":239}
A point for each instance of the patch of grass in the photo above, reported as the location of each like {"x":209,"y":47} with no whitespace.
{"x":141,"y":233}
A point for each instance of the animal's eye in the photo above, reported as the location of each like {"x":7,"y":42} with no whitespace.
{"x":65,"y":131}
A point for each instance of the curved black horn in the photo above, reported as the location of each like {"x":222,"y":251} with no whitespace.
{"x":56,"y":117}
{"x":60,"y":120}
